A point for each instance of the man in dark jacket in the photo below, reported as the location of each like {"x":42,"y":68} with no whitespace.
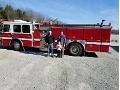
{"x":49,"y":39}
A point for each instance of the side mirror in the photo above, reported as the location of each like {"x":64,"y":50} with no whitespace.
{"x":109,"y":24}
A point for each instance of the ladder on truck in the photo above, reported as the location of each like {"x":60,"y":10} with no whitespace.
{"x":85,"y":25}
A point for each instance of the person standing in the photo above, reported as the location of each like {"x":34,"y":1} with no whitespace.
{"x":59,"y":48}
{"x":49,"y":39}
{"x":62,"y":40}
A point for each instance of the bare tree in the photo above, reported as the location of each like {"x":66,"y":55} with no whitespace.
{"x":30,"y":14}
{"x":39,"y":17}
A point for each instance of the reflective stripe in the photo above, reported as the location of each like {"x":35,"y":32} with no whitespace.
{"x":37,"y":39}
{"x":17,"y":38}
{"x":93,"y":43}
{"x":6,"y":37}
{"x":68,"y":41}
{"x":105,"y":43}
{"x":98,"y":43}
{"x":29,"y":39}
{"x":26,"y":39}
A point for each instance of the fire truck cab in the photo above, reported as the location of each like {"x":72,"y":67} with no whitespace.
{"x":80,"y":37}
{"x":17,"y":33}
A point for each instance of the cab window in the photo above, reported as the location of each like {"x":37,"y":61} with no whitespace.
{"x":17,"y":28}
{"x":26,"y":28}
{"x":6,"y":28}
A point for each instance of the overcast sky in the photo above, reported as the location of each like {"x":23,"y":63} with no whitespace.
{"x":74,"y":11}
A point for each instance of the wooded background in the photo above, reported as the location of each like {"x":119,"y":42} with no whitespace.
{"x":7,"y":12}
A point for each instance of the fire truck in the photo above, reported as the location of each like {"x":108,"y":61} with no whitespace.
{"x":81,"y":38}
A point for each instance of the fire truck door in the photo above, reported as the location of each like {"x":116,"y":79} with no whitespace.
{"x":36,"y":38}
{"x":26,"y":36}
{"x":23,"y":33}
{"x":5,"y":34}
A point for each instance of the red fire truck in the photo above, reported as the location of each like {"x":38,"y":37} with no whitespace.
{"x":80,"y":37}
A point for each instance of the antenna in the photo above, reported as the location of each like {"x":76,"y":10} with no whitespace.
{"x":55,"y":20}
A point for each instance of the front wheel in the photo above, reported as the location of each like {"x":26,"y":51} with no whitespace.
{"x":16,"y":45}
{"x":75,"y":49}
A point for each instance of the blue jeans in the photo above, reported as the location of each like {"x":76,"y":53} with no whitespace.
{"x":59,"y":53}
{"x":50,"y":49}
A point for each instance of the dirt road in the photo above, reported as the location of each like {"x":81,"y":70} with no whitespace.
{"x":31,"y":70}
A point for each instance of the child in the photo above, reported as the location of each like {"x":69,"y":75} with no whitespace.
{"x":59,"y":47}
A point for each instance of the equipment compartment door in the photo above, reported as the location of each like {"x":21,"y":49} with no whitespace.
{"x":75,"y":33}
{"x":93,"y":39}
{"x":106,"y":33}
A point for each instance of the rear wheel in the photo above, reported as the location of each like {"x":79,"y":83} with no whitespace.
{"x":16,"y":45}
{"x":75,"y":49}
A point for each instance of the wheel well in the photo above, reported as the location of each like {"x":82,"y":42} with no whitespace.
{"x":16,"y":40}
{"x":77,"y":43}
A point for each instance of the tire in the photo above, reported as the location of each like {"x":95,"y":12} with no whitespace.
{"x":16,"y":45}
{"x":75,"y":49}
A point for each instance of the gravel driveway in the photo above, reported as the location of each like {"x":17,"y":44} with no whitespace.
{"x":31,"y":70}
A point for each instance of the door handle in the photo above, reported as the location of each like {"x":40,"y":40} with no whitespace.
{"x":9,"y":34}
{"x":91,"y":37}
{"x":28,"y":35}
{"x":107,"y":40}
